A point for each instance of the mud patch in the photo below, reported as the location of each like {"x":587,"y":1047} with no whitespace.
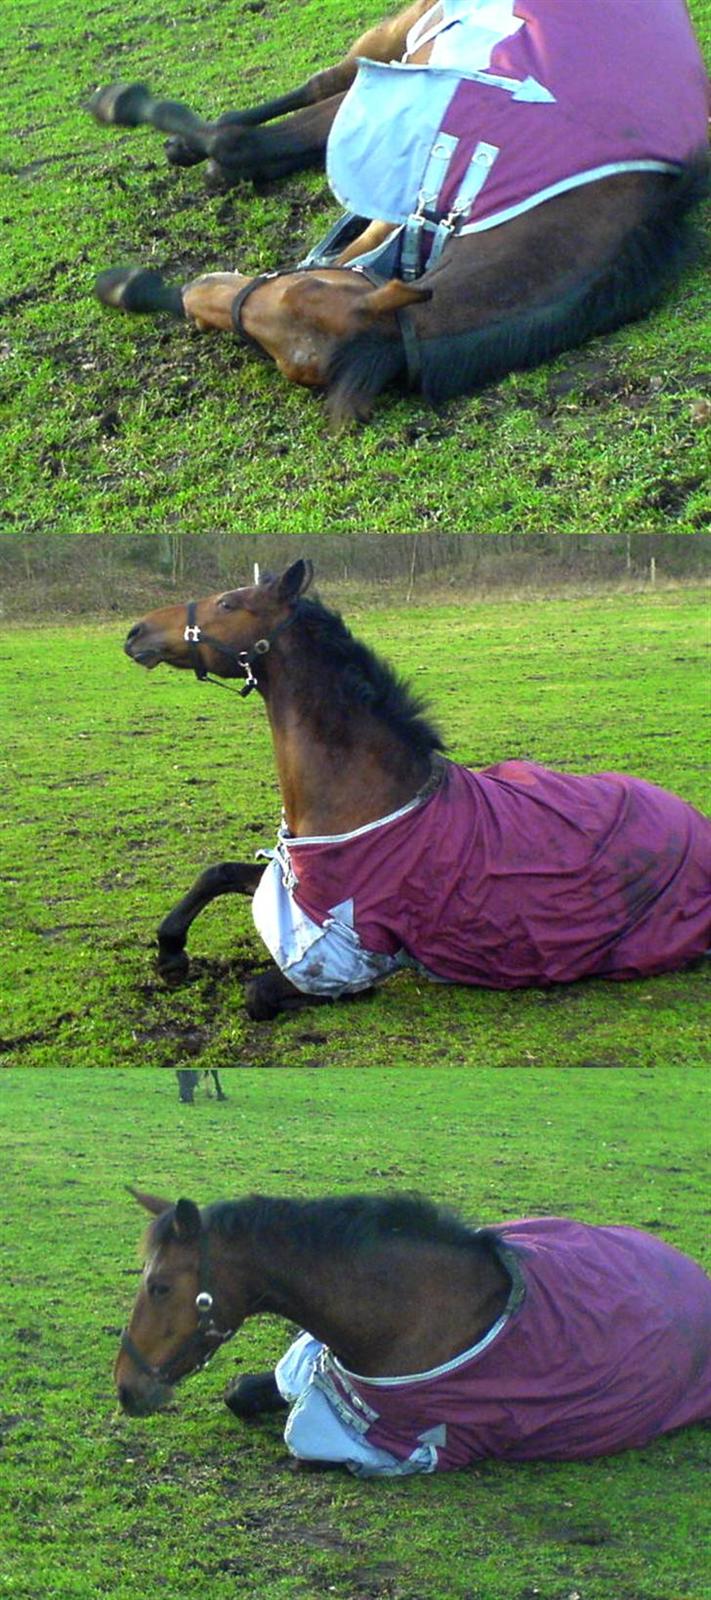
{"x":41,"y":1036}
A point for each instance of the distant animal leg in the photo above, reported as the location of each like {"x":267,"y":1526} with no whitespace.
{"x":228,"y":877}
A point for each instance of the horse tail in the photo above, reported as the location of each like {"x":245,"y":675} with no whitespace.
{"x":627,"y":287}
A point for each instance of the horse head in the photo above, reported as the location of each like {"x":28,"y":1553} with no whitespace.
{"x":226,"y":633}
{"x":301,"y":319}
{"x":179,"y":1316}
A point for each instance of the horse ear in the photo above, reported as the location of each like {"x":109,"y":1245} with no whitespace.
{"x":295,"y":581}
{"x":187,"y":1224}
{"x":150,"y":1202}
{"x":392,"y":296}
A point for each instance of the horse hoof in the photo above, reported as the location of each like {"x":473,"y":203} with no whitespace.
{"x":262,"y":1002}
{"x":123,"y":103}
{"x":218,"y":179}
{"x":179,"y":154}
{"x":258,"y":1004}
{"x":174,"y":969}
{"x":138,"y":289}
{"x":253,"y":1394}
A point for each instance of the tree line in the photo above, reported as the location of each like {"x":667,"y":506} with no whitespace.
{"x":86,"y":569}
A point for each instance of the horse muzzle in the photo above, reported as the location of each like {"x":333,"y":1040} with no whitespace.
{"x":141,"y":649}
{"x":143,"y":1400}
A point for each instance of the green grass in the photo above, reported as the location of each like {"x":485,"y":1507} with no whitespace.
{"x":92,"y":1504}
{"x":111,"y":422}
{"x":119,"y":787}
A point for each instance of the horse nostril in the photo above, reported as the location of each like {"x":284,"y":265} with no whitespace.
{"x":125,"y":1396}
{"x":133,"y":632}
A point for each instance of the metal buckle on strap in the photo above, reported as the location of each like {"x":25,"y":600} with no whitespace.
{"x":425,"y":214}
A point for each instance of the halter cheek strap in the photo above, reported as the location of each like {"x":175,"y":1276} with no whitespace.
{"x":244,"y":659}
{"x":206,"y":1329}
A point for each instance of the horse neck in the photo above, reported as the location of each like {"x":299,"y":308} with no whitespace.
{"x":390,"y":1308}
{"x":334,"y":774}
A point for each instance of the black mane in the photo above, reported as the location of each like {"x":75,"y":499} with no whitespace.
{"x":342,"y":675}
{"x":342,"y":1223}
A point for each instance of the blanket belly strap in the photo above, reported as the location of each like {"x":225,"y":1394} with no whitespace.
{"x":475,"y":176}
{"x":440,"y":158}
{"x":429,"y":201}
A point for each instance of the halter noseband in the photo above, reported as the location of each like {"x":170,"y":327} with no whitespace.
{"x":244,"y":659}
{"x":206,"y":1328}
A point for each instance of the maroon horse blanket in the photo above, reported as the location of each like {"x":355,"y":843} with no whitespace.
{"x":521,"y":99}
{"x":516,"y":875}
{"x":605,"y":1345}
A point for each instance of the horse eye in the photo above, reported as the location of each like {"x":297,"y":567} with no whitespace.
{"x":157,"y":1291}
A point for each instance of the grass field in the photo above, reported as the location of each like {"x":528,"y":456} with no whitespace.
{"x":192,"y":1502}
{"x":144,"y":425}
{"x":119,"y":786}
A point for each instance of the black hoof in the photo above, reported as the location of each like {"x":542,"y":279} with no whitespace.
{"x":179,"y":154}
{"x":174,"y":969}
{"x":263,"y":998}
{"x":218,"y":179}
{"x":138,"y":289}
{"x":253,"y":1394}
{"x":125,"y":104}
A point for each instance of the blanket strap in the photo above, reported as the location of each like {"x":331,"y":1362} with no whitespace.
{"x":477,"y":172}
{"x":434,"y":175}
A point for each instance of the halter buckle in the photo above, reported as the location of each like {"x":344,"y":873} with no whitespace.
{"x":192,"y":634}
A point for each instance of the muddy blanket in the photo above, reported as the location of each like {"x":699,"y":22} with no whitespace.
{"x":605,"y":1344}
{"x":513,"y":876}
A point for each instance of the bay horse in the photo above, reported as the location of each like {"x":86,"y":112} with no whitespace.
{"x":427,"y":1344}
{"x":391,"y":856}
{"x":514,"y":186}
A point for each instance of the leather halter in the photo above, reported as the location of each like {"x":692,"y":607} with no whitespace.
{"x":206,"y":1329}
{"x":245,"y":659}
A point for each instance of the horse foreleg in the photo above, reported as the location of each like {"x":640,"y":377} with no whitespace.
{"x":228,"y":877}
{"x":235,"y":145}
{"x":192,"y":139}
{"x":253,"y":1394}
{"x":270,"y":993}
{"x":131,"y":105}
